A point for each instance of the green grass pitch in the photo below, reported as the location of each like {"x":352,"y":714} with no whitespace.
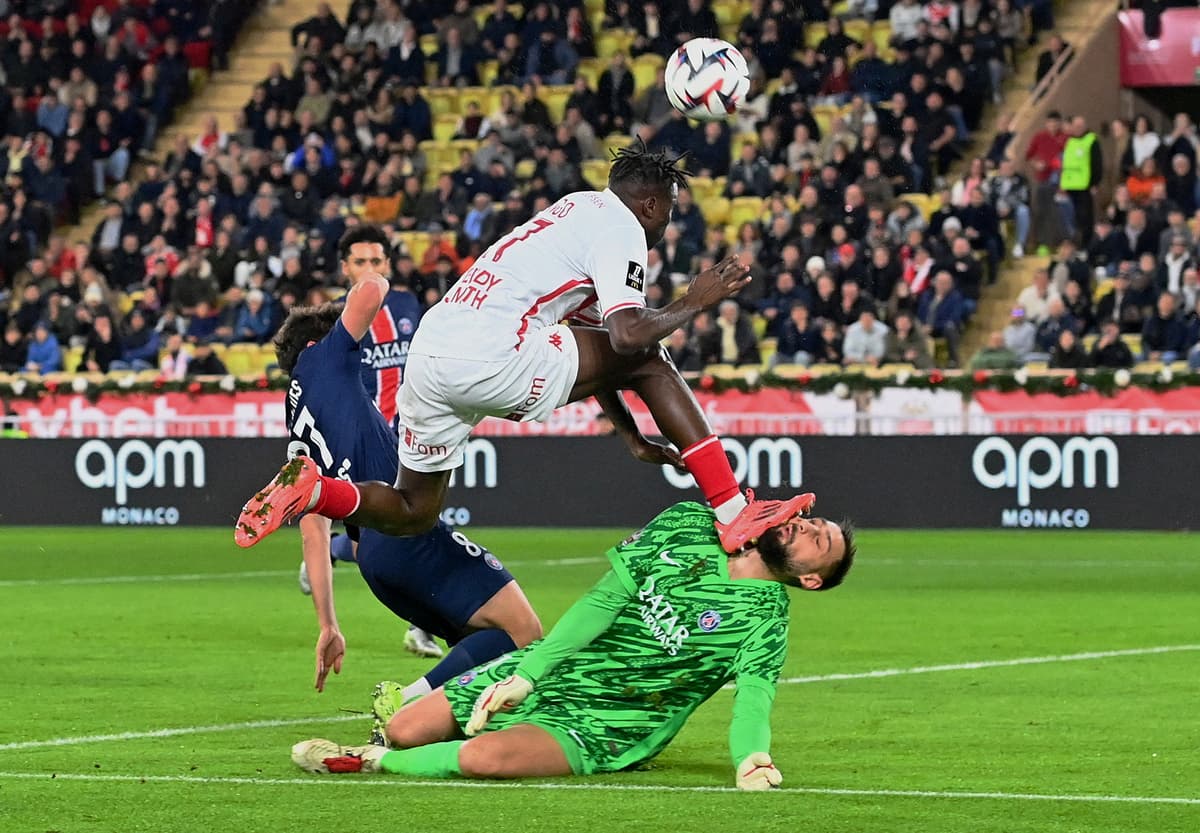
{"x":123,"y":633}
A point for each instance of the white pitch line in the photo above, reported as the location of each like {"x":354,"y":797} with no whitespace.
{"x":170,"y":577}
{"x":183,"y":730}
{"x":595,"y":787}
{"x":822,"y":678}
{"x":994,"y":663}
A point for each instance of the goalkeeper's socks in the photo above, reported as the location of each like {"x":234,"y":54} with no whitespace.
{"x":333,"y":498}
{"x":707,"y":462}
{"x":475,"y":649}
{"x":436,"y":760}
{"x":341,"y":548}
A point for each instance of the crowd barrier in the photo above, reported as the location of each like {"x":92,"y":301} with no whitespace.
{"x":1014,"y":481}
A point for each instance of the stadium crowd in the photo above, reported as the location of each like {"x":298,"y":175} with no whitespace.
{"x":450,"y":125}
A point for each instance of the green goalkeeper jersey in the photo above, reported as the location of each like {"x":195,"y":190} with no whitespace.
{"x":679,"y":629}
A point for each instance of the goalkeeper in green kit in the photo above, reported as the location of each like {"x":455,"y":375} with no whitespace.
{"x":673,"y":621}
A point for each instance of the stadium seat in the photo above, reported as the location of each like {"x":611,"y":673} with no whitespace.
{"x":488,"y":70}
{"x":1134,"y":340}
{"x":555,"y":99}
{"x":445,"y":126}
{"x":745,"y":210}
{"x":858,"y":29}
{"x":814,"y":33}
{"x":715,"y":211}
{"x":242,"y":359}
{"x":614,"y":142}
{"x":595,"y":172}
{"x":823,"y":114}
{"x":703,"y":187}
{"x":926,"y":204}
{"x":881,"y":32}
{"x":525,"y":169}
{"x":645,"y":72}
{"x":429,"y":44}
{"x":442,"y":100}
{"x":611,"y":41}
{"x":591,"y":69}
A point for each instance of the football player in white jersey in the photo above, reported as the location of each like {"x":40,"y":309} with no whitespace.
{"x":495,"y":346}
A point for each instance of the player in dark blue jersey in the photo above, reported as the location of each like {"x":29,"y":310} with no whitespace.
{"x":362,"y":252}
{"x":439,"y":580}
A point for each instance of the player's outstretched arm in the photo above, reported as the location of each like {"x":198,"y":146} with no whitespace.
{"x":331,"y":645}
{"x":362,"y":305}
{"x":646,"y":450}
{"x":637,"y":328}
{"x":750,"y":735}
{"x":584,"y":621}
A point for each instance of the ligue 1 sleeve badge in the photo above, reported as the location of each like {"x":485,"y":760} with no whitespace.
{"x":709,"y":621}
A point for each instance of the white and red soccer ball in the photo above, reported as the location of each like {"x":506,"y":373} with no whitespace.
{"x":707,"y":79}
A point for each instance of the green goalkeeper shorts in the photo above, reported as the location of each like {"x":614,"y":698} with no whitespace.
{"x":591,"y":744}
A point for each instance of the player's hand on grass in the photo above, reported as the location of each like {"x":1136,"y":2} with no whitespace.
{"x":506,"y":694}
{"x":656,"y":454}
{"x":331,"y":648}
{"x":718,"y":282}
{"x":758,"y":773}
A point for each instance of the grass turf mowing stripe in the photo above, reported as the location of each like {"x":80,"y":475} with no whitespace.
{"x":822,"y":678}
{"x":388,"y":782}
{"x":169,"y":577}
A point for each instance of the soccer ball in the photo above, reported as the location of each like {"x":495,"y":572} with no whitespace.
{"x":707,"y":79}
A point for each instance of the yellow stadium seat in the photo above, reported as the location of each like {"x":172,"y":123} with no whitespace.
{"x":72,"y":356}
{"x":429,"y":44}
{"x":726,"y":13}
{"x":1134,"y":340}
{"x":814,"y":33}
{"x":1148,"y":367}
{"x":242,"y":359}
{"x":488,"y":70}
{"x":926,"y":204}
{"x":591,"y":69}
{"x":881,"y":33}
{"x":715,"y":211}
{"x":442,"y":100}
{"x":615,"y":141}
{"x":555,"y":99}
{"x":595,"y":172}
{"x":702,"y":187}
{"x":1102,"y":288}
{"x":612,"y":41}
{"x":596,"y":16}
{"x":480,"y":95}
{"x":745,"y":209}
{"x":416,"y":242}
{"x":459,"y":145}
{"x":858,"y":29}
{"x":445,"y":126}
{"x":722,"y":371}
{"x":525,"y":169}
{"x":644,"y":76}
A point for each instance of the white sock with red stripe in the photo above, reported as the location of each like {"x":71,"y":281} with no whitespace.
{"x":707,"y":462}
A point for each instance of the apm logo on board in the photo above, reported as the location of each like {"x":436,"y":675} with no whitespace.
{"x":134,"y":465}
{"x":1044,"y":463}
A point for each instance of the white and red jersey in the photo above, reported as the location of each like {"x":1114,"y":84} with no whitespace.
{"x":580,"y":260}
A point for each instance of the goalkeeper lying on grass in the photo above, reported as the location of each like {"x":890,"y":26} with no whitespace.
{"x":672,"y":621}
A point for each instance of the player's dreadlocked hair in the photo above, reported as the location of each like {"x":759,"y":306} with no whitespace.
{"x":303,"y":324}
{"x":636,"y":167}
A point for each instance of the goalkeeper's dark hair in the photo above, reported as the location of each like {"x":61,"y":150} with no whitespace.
{"x":637,"y":168}
{"x":838,"y":572}
{"x":303,"y":324}
{"x":362,"y":233}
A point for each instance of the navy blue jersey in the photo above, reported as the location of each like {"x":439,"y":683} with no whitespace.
{"x":331,"y":417}
{"x":385,"y":349}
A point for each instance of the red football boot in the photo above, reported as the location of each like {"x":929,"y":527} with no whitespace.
{"x":282,"y":499}
{"x":758,"y":517}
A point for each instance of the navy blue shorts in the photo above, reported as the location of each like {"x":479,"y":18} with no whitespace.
{"x":437,"y":581}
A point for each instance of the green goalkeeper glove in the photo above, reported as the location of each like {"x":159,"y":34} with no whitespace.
{"x":758,"y":773}
{"x":506,"y":694}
